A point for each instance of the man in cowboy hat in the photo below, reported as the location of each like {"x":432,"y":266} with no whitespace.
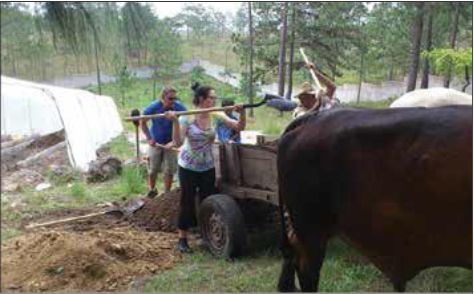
{"x":310,"y":99}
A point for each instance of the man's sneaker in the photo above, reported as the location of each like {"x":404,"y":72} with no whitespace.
{"x":152,"y":193}
{"x":183,"y":246}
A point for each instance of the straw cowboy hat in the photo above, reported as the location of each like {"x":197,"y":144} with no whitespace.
{"x":306,"y":88}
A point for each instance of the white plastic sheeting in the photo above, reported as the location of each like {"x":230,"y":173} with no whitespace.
{"x":89,"y":120}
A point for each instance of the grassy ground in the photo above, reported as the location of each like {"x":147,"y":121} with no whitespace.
{"x":343,"y":270}
{"x":215,"y":49}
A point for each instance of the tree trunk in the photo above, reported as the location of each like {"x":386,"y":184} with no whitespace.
{"x":250,"y":87}
{"x":454,"y":33}
{"x":65,"y":64}
{"x":426,"y":67}
{"x":154,"y":87}
{"x":292,"y":53}
{"x":12,"y":55}
{"x":282,"y":53}
{"x":416,"y":32}
{"x":467,"y":77}
{"x":99,"y":85}
{"x":390,"y":72}
{"x":361,"y":73}
{"x":14,"y":71}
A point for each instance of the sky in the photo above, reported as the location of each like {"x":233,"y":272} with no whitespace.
{"x":170,"y":9}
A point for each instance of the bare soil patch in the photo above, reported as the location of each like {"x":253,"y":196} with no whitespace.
{"x":105,"y":253}
{"x":90,"y":260}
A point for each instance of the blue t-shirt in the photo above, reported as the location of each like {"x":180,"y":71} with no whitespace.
{"x":225,"y":133}
{"x":162,"y":128}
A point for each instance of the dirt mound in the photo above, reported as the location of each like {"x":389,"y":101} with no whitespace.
{"x":94,"y":260}
{"x":158,"y":214}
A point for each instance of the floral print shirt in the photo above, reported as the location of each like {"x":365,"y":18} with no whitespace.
{"x":196,"y":153}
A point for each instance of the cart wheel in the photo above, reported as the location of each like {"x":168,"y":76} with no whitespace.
{"x":222,"y":226}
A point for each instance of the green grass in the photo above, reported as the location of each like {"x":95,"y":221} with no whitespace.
{"x":121,"y":148}
{"x":201,"y":272}
{"x":213,"y":49}
{"x":132,"y":181}
{"x":78,"y":190}
{"x":343,"y":271}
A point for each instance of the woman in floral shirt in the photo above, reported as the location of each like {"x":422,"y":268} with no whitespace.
{"x":196,"y":163}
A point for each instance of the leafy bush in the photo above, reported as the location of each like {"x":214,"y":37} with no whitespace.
{"x":197,"y":73}
{"x":446,"y":59}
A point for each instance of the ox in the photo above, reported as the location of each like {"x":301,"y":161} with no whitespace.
{"x":395,"y":184}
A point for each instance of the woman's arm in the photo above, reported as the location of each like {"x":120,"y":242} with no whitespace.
{"x":178,"y":130}
{"x":236,"y":125}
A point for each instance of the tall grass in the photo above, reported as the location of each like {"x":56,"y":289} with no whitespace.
{"x":132,"y":181}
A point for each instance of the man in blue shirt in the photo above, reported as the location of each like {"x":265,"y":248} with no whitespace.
{"x":224,"y":133}
{"x":161,"y":156}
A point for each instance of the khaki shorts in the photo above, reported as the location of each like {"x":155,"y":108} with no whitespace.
{"x":162,"y":160}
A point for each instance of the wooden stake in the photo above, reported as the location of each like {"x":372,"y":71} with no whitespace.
{"x":316,"y":81}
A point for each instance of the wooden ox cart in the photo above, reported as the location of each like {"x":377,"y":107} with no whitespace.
{"x":243,"y":172}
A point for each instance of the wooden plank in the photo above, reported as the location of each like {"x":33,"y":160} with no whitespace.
{"x":218,"y":154}
{"x":264,"y":139}
{"x":258,"y":168}
{"x":233,"y":174}
{"x":249,"y":193}
{"x":43,"y":155}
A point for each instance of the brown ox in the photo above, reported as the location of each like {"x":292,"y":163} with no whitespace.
{"x":396,"y":184}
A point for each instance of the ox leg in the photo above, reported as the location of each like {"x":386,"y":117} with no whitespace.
{"x":309,"y":263}
{"x":399,"y":284}
{"x":286,"y":282}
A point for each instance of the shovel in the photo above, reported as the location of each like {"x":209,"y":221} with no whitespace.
{"x":133,"y":206}
{"x":266,"y":99}
{"x":136,"y":112}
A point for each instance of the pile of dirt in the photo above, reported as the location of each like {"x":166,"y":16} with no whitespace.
{"x":161,"y":213}
{"x":92,"y":260}
{"x":158,"y":214}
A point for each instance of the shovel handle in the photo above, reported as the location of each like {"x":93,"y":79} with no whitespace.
{"x":66,"y":220}
{"x":197,"y":111}
{"x":179,"y":113}
{"x":311,"y":71}
{"x":176,"y":149}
